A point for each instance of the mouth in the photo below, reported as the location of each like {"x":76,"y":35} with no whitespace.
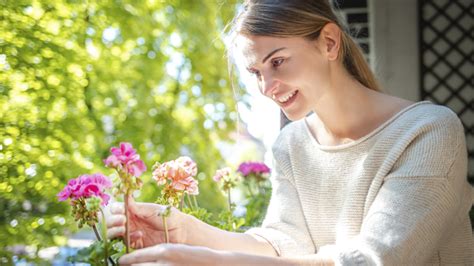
{"x":287,"y":99}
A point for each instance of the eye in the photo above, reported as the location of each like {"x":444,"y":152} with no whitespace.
{"x":254,"y":72}
{"x":277,"y":62}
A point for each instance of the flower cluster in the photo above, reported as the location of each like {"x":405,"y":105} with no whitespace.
{"x":178,"y":174}
{"x":226,"y":178}
{"x":126,"y":159}
{"x":254,"y":169}
{"x":222,"y":174}
{"x":87,"y":193}
{"x":86,"y":186}
{"x":227,"y":181}
{"x":128,"y":165}
{"x":248,"y":168}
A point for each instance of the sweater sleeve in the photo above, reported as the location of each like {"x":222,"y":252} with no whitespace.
{"x":424,"y":196}
{"x":284,"y":226}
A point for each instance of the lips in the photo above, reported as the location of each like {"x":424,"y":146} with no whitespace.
{"x":286,"y":99}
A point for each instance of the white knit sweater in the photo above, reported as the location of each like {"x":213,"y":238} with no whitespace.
{"x":398,"y":196}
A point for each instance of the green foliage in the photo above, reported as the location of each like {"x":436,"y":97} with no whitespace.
{"x":94,"y":254}
{"x":77,"y":77}
{"x":256,"y":207}
{"x":257,"y":193}
{"x":200,"y":213}
{"x":227,"y":221}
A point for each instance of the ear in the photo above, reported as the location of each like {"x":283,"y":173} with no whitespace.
{"x":330,"y":38}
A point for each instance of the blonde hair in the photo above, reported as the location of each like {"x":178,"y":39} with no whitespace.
{"x":302,"y":18}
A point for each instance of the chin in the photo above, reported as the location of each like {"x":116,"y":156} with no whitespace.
{"x":294,"y":116}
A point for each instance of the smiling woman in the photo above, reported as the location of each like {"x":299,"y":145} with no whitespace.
{"x":367,"y":179}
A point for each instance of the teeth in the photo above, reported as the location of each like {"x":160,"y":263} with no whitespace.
{"x":284,"y":99}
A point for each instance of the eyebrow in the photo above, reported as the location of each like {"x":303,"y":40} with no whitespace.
{"x":272,"y":53}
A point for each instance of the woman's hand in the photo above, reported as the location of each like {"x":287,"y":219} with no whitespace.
{"x":172,"y":254}
{"x":179,"y":254}
{"x":146,"y":224}
{"x":147,"y":230}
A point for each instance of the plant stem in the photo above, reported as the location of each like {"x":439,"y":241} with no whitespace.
{"x":104,"y":237}
{"x":229,"y":201}
{"x":96,"y":232}
{"x":195,"y":202}
{"x":97,"y":235}
{"x":249,"y":189}
{"x":127,"y":223}
{"x":167,"y":238}
{"x":181,"y":202}
{"x":190,"y":203}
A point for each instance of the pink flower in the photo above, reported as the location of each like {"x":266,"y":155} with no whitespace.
{"x":222,"y":173}
{"x":89,"y":190}
{"x":125,"y":157}
{"x":74,"y":186}
{"x":248,"y":168}
{"x":180,"y":173}
{"x":188,"y":184}
{"x":160,"y":173}
{"x":64,"y":194}
{"x":101,"y":180}
{"x":86,"y":186}
{"x":188,"y":165}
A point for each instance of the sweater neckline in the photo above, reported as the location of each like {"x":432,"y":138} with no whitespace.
{"x":361,"y":139}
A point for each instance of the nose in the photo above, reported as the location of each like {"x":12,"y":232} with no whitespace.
{"x":269,"y":86}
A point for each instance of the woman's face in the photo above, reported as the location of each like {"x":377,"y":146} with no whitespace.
{"x":290,"y":71}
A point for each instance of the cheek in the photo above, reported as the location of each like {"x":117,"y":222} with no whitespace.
{"x":310,"y":72}
{"x":292,"y":74}
{"x":316,"y":75}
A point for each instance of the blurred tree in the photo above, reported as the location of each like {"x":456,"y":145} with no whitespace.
{"x":77,"y":77}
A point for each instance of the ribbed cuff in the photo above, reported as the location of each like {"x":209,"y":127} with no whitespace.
{"x":351,"y":253}
{"x":283,"y":244}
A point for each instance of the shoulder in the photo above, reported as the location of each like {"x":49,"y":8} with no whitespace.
{"x":431,"y":113}
{"x":288,"y":146}
{"x":432,"y":121}
{"x":427,"y":140}
{"x":290,"y":136}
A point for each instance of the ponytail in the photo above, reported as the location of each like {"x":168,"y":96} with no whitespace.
{"x":355,"y":62}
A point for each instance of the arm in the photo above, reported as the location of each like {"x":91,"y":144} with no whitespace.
{"x":202,"y":234}
{"x":178,"y":254}
{"x":283,"y":233}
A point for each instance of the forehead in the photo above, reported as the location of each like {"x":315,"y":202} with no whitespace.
{"x":254,"y":48}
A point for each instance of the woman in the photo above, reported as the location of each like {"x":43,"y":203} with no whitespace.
{"x":366,"y":179}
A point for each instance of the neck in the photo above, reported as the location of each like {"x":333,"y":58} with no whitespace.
{"x":341,"y":112}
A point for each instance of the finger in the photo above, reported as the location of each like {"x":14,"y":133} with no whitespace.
{"x":116,"y":220}
{"x":140,"y":243}
{"x":143,"y":208}
{"x":143,"y":255}
{"x":115,"y":232}
{"x":117,"y":208}
{"x":137,"y":240}
{"x":135,"y":236}
{"x":119,"y":231}
{"x":146,"y":210}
